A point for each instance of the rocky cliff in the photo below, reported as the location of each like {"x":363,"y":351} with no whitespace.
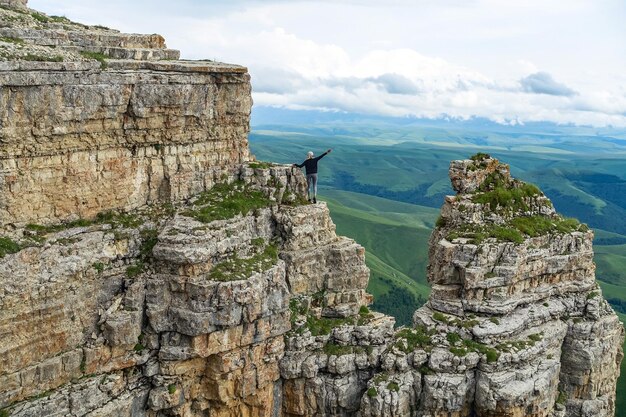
{"x":516,"y":324}
{"x":148,"y":267}
{"x":92,"y":119}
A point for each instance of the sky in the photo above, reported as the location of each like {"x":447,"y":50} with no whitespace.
{"x":511,"y":61}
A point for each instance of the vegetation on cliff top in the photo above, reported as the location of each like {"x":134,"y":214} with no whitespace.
{"x":8,"y":246}
{"x":511,"y":197}
{"x":502,"y":195}
{"x":480,"y":156}
{"x":225,"y":201}
{"x":516,"y":229}
{"x":100,"y":57}
{"x":236,"y":268}
{"x":409,"y":339}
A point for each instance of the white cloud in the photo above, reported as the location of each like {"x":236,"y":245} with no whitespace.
{"x":543,"y":83}
{"x":508,"y":61}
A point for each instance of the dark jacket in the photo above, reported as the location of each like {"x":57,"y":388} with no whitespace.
{"x":311,"y":164}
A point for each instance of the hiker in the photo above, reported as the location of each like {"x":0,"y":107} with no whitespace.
{"x":311,"y":173}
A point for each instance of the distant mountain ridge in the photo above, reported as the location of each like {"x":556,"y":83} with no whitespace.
{"x":267,"y":116}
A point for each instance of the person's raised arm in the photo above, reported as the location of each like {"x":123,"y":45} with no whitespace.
{"x":324,"y":154}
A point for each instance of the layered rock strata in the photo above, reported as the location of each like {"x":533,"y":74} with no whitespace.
{"x":158,"y":313}
{"x":92,"y":119}
{"x":148,"y":269}
{"x":516,"y":324}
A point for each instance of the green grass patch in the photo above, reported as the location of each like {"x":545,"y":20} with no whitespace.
{"x":518,"y":345}
{"x":364,"y":315}
{"x":441,"y":222}
{"x":516,"y":229}
{"x":453,"y":338}
{"x":225,"y":201}
{"x":64,"y":20}
{"x":41,"y":230}
{"x":149,"y":239}
{"x":100,"y":57}
{"x":333,"y":349}
{"x":99,"y":267}
{"x":478,"y":234}
{"x":490,"y":353}
{"x":41,"y":18}
{"x":293,"y":199}
{"x":407,"y":340}
{"x":8,"y":246}
{"x":297,"y":309}
{"x":116,"y":219}
{"x":458,"y":322}
{"x":505,"y":234}
{"x":258,"y":242}
{"x":236,"y":268}
{"x":393,"y":386}
{"x":134,"y":270}
{"x":540,"y":225}
{"x":502,"y":194}
{"x":171,"y":388}
{"x":260,"y":165}
{"x":41,"y":58}
{"x":371,"y":392}
{"x":381,"y":377}
{"x":458,"y":351}
{"x":9,"y":39}
{"x":480,"y":156}
{"x":504,"y":198}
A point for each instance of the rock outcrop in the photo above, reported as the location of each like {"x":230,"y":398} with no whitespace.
{"x":516,"y":324}
{"x":149,"y":267}
{"x":173,"y":311}
{"x":92,"y":119}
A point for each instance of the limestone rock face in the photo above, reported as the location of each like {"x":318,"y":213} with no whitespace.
{"x":80,"y":136}
{"x":18,"y":4}
{"x":165,"y":314}
{"x":148,"y":268}
{"x":513,"y":286}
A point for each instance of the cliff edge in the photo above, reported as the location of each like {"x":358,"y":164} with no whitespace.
{"x":150,"y":267}
{"x":92,"y":119}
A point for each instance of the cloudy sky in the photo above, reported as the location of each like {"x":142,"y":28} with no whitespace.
{"x":509,"y":60}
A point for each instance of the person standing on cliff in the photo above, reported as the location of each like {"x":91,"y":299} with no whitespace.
{"x":310,"y":165}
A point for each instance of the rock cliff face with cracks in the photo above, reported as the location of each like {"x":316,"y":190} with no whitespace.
{"x":149,"y":267}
